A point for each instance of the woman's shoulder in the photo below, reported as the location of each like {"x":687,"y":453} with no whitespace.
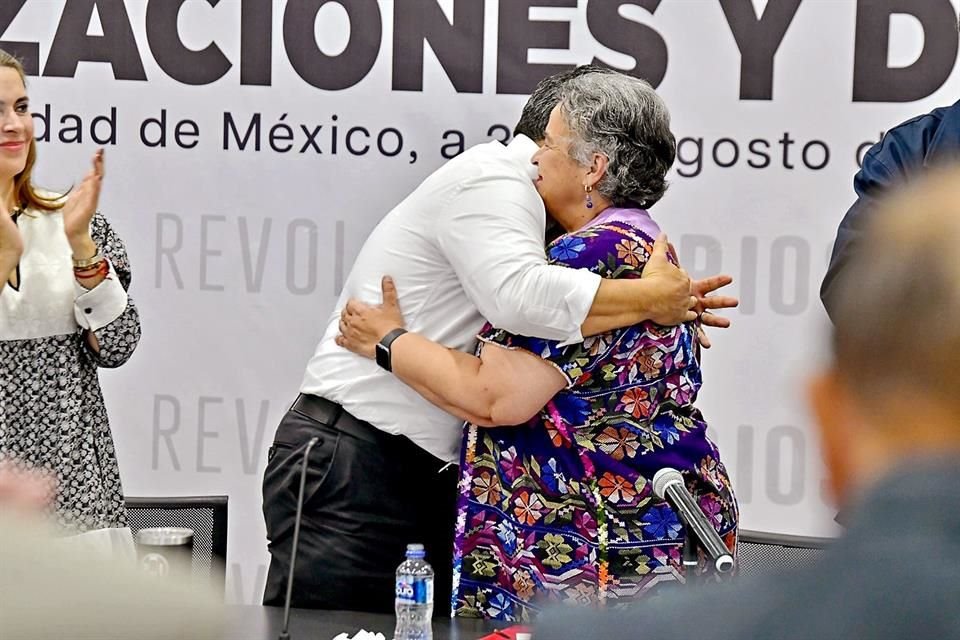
{"x":613,"y":225}
{"x":635,"y":220}
{"x":616,"y":240}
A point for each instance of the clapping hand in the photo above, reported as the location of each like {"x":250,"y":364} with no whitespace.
{"x":80,"y":208}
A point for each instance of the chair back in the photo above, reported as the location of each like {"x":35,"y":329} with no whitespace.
{"x":205,"y":515}
{"x":761,"y":551}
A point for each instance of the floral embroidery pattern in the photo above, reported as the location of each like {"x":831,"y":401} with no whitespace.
{"x":561,"y":509}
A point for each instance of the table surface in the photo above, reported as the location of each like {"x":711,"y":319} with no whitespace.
{"x":255,"y":622}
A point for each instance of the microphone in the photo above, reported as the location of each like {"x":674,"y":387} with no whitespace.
{"x":284,"y":632}
{"x":668,"y":485}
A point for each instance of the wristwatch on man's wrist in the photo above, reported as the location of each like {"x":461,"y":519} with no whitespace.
{"x":383,"y":348}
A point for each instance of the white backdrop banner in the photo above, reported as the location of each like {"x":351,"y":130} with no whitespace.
{"x":252,"y":145}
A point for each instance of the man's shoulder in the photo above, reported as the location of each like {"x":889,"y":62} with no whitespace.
{"x":493,"y":175}
{"x":490,"y":160}
{"x":931,"y":120}
{"x":479,"y":165}
{"x":913,"y":142}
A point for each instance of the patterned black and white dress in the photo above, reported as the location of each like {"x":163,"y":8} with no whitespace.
{"x":52,"y":414}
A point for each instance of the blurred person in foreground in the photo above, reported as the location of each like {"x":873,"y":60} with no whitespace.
{"x":49,"y":591}
{"x":888,"y":413}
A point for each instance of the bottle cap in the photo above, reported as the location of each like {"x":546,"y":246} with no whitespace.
{"x":165,"y":536}
{"x":416,"y":551}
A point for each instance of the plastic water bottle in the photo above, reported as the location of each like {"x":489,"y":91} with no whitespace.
{"x":414,"y":603}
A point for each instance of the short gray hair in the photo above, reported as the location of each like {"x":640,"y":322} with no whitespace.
{"x":896,"y":327}
{"x":536,"y":111}
{"x":624,"y":119}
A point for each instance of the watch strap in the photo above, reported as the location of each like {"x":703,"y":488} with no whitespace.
{"x":383,"y":348}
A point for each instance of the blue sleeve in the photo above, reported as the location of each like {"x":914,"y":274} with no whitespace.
{"x":885,"y":164}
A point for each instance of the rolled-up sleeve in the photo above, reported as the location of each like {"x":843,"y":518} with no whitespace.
{"x":493,"y":237}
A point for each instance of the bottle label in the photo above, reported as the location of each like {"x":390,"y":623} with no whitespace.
{"x":414,"y":590}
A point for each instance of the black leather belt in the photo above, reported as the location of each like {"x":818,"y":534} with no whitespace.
{"x":333,"y":415}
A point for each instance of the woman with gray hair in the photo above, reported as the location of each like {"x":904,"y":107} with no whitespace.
{"x":560,"y":508}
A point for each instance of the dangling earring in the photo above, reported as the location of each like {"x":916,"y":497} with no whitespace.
{"x":587,"y":188}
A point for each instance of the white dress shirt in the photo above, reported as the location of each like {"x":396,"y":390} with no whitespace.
{"x":465,"y":246}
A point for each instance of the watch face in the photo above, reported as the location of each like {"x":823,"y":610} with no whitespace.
{"x":383,"y":356}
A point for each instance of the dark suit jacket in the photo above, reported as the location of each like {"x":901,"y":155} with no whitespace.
{"x":904,"y":151}
{"x":894,"y":574}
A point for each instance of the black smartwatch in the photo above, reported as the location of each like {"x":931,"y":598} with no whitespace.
{"x":383,"y":348}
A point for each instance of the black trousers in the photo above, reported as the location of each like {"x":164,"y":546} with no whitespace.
{"x":368,"y":494}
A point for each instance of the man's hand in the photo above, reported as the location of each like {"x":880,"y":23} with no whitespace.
{"x":664,"y":294}
{"x":700,"y":289}
{"x":705,"y":302}
{"x":362,"y":325}
{"x":671,"y":301}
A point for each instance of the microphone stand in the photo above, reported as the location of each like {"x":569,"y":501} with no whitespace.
{"x":668,"y":485}
{"x":284,"y":632}
{"x":691,"y":560}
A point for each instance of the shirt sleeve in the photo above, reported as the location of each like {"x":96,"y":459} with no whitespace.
{"x":618,"y":250}
{"x":575,"y":362}
{"x":107,"y":310}
{"x":96,"y":308}
{"x":884,"y":165}
{"x":493,"y":236}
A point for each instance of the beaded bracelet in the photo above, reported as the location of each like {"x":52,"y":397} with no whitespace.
{"x":101,"y":268}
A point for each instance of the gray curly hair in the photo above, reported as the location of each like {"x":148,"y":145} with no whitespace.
{"x":624,"y":119}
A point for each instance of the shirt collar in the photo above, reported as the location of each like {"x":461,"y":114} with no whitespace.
{"x":521,"y":150}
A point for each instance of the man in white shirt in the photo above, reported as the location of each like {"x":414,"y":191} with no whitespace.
{"x":465,"y":246}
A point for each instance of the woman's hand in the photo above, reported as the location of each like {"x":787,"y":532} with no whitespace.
{"x":362,"y":325}
{"x":25,"y":490}
{"x":79,"y":210}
